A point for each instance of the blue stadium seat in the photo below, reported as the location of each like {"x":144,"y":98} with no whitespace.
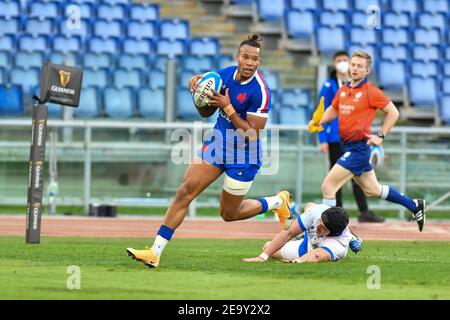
{"x":336,"y":5}
{"x":399,"y":53}
{"x":436,"y":6}
{"x":44,"y":10}
{"x":28,"y":59}
{"x":204,"y":46}
{"x":426,"y":53}
{"x":185,"y":106}
{"x":330,"y":40}
{"x":5,"y":61}
{"x":359,"y":19}
{"x":27,"y":78}
{"x":395,"y":36}
{"x":422,"y":92}
{"x":37,"y":27}
{"x":293,"y":116}
{"x":367,"y":48}
{"x":157,"y":79}
{"x":446,"y":85}
{"x":70,"y":59}
{"x":29,"y":43}
{"x":2,"y":76}
{"x":142,"y":30}
{"x":170,"y":48}
{"x":303,"y":5}
{"x":67,"y":28}
{"x":97,"y":60}
{"x":444,"y":108}
{"x":396,"y":20}
{"x":7,"y":43}
{"x":299,"y":24}
{"x":242,"y":1}
{"x":89,"y":106}
{"x":363,"y":36}
{"x":135,"y":61}
{"x":446,"y":69}
{"x":295,"y":98}
{"x":174,"y":29}
{"x":272,"y":79}
{"x":197,"y":63}
{"x":151,"y":103}
{"x":85,"y":10}
{"x":424,"y":69}
{"x":124,"y":78}
{"x":429,"y":21}
{"x":159,"y":62}
{"x":95,"y":78}
{"x":118,"y":103}
{"x":9,"y":26}
{"x":66,"y":44}
{"x":362,"y":5}
{"x":184,"y":76}
{"x":224,"y":61}
{"x":10,"y":9}
{"x":100,"y":45}
{"x":391,"y":74}
{"x":427,"y":37}
{"x":110,"y":12}
{"x":409,"y":6}
{"x":107,"y":29}
{"x":11,"y":103}
{"x":134,"y":46}
{"x":333,"y":19}
{"x":146,"y":12}
{"x":270,"y":10}
{"x":54,"y":110}
{"x":116,"y":2}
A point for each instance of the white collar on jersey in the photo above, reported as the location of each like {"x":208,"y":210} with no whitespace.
{"x":246,"y":81}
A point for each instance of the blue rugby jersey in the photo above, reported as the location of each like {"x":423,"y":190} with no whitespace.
{"x":249,"y":97}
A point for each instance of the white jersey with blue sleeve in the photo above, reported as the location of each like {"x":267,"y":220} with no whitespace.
{"x":336,"y":246}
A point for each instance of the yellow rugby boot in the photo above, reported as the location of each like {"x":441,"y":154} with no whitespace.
{"x":284,"y":212}
{"x":147,"y":256}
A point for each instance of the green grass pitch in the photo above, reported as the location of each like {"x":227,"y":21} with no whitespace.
{"x":211,"y":269}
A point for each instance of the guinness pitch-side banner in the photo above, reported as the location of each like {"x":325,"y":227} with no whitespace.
{"x":36,"y":173}
{"x":60,"y":84}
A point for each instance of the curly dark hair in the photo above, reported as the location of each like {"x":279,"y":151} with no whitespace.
{"x":335,"y":219}
{"x":254,"y":40}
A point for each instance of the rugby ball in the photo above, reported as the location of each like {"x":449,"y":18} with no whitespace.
{"x":210,"y":80}
{"x":376,"y":156}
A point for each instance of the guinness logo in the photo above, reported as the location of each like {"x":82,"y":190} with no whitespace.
{"x":64,"y":78}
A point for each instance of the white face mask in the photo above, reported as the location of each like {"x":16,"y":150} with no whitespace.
{"x":342,"y":67}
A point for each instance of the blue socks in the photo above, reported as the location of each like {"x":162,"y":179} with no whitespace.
{"x":166,"y":232}
{"x":264,"y":205}
{"x":392,"y":195}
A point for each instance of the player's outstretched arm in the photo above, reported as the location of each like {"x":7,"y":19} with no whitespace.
{"x":316,"y":255}
{"x":277,"y":243}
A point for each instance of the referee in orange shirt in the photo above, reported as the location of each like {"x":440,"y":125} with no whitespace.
{"x":356,"y":103}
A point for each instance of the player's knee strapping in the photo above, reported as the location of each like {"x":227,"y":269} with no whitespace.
{"x":236,"y":187}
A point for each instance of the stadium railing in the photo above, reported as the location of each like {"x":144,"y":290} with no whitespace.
{"x":417,"y":160}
